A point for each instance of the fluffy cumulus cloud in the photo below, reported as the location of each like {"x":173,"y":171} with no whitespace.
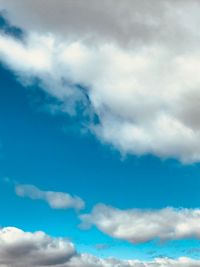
{"x":22,"y":249}
{"x":138,"y":226}
{"x":19,"y":248}
{"x":56,"y":200}
{"x":132,"y":63}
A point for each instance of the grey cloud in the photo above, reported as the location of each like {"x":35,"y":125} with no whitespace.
{"x":138,"y":226}
{"x":105,"y":18}
{"x":19,"y":248}
{"x":22,"y":249}
{"x":56,"y":200}
{"x":124,"y":21}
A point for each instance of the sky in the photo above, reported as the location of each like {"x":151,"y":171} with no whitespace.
{"x":99,"y":133}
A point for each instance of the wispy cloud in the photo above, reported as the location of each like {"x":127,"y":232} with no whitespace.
{"x":56,"y":200}
{"x":139,"y":225}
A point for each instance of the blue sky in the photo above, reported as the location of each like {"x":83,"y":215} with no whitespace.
{"x":52,"y":153}
{"x":58,"y":151}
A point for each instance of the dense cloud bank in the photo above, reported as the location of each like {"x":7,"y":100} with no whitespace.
{"x":22,"y":249}
{"x":137,"y":62}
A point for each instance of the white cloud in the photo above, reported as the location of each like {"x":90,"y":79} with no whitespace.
{"x":137,"y":61}
{"x":90,"y":261}
{"x":22,"y":249}
{"x":56,"y":200}
{"x":138,"y":226}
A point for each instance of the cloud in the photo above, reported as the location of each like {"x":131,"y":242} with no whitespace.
{"x":56,"y":200}
{"x":138,"y":226}
{"x":21,"y":249}
{"x":136,"y":62}
{"x":125,"y":22}
{"x":87,"y":260}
